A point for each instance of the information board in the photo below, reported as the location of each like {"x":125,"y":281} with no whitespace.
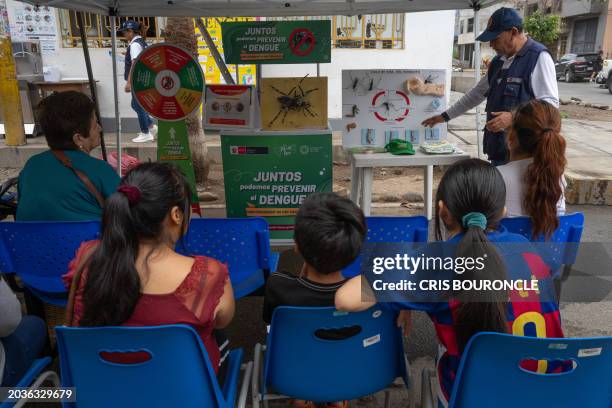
{"x":269,"y":174}
{"x":277,"y":42}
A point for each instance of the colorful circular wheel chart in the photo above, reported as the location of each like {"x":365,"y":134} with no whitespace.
{"x":167,"y":82}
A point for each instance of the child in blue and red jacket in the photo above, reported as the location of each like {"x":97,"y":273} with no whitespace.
{"x":470,"y":203}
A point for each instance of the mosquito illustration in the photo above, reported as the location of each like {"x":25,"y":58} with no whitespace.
{"x":294,"y":100}
{"x":363,"y":85}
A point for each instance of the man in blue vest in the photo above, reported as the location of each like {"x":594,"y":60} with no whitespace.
{"x":131,"y":30}
{"x":522,"y":70}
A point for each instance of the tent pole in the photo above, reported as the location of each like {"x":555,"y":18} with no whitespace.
{"x":258,"y":87}
{"x":116,"y":89}
{"x":477,"y":72}
{"x":214,"y":52}
{"x":92,"y":82}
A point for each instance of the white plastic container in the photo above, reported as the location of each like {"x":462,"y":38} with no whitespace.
{"x":51,"y":74}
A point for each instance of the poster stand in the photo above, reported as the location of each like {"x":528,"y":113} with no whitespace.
{"x":168,"y":83}
{"x":269,"y":173}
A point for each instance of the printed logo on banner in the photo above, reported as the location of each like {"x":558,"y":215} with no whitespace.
{"x":249,"y":150}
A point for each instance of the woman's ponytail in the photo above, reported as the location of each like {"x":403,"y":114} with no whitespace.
{"x":132,"y":215}
{"x":537,"y":126}
{"x":110,"y":297}
{"x":483,"y":310}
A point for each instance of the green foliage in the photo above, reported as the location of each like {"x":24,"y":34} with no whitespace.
{"x":543,"y":28}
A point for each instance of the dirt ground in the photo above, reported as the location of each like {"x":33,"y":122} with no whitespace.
{"x":584,"y":113}
{"x":392,"y":187}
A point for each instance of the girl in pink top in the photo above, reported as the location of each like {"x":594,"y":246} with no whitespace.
{"x":133,"y":277}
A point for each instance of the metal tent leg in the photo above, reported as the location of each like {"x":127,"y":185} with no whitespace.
{"x":477,"y":73}
{"x":92,"y":82}
{"x":116,"y":89}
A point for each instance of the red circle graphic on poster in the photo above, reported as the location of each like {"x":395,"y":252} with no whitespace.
{"x":390,"y":106}
{"x":167,"y":82}
{"x":300,"y":37}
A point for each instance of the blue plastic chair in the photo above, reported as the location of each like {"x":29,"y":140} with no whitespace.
{"x":41,"y":251}
{"x":489,"y":374}
{"x":569,"y":232}
{"x":169,"y":367}
{"x":391,"y":229}
{"x":6,"y":266}
{"x":33,"y":378}
{"x":242,"y":243}
{"x":560,"y":250}
{"x":307,"y":358}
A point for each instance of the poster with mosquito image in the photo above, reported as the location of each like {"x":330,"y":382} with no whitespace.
{"x":381,"y":105}
{"x":294,"y":103}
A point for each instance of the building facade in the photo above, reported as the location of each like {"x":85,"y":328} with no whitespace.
{"x":466,"y":34}
{"x":586,"y":26}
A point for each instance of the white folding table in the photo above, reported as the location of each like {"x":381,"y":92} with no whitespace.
{"x":361,"y":172}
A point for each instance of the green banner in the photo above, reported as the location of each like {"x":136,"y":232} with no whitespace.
{"x":277,"y":42}
{"x":270,"y":175}
{"x":173,"y":146}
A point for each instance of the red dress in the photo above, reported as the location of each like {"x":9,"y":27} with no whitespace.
{"x":193,"y":302}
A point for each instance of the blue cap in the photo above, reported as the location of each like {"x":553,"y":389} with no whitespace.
{"x":129,"y":25}
{"x":502,"y":20}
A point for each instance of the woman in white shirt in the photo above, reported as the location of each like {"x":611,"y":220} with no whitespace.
{"x":534,"y":176}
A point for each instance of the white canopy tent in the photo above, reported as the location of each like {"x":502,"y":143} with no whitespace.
{"x":261,"y":8}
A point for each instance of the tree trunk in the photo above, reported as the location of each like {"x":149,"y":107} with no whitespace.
{"x":180,"y":31}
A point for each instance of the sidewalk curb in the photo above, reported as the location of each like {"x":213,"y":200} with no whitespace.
{"x":582,"y":189}
{"x":579,"y":102}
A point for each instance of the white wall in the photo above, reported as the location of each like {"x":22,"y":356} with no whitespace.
{"x":71,"y":64}
{"x":428,"y":45}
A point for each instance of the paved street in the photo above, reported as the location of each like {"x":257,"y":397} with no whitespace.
{"x":588,"y":92}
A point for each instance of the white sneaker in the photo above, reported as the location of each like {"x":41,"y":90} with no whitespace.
{"x":153,"y":131}
{"x":143,"y":137}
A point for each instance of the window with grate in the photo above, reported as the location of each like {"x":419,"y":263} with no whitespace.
{"x":98,"y":29}
{"x":367,"y":31}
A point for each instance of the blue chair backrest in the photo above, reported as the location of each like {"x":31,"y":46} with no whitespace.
{"x":171,"y":368}
{"x":41,"y":251}
{"x":490,"y":376}
{"x":302,"y":362}
{"x":569,"y":232}
{"x":6,"y":265}
{"x":242,"y":243}
{"x":391,"y":229}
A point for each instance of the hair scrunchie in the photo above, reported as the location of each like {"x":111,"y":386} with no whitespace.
{"x":131,"y":192}
{"x":474,"y":219}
